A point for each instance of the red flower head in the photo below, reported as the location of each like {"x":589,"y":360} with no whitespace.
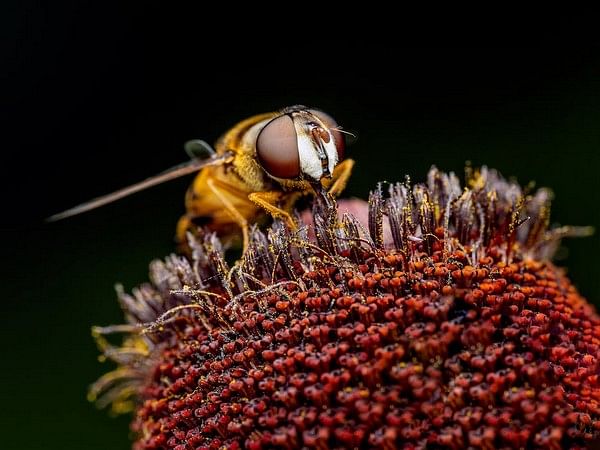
{"x":440,"y":324}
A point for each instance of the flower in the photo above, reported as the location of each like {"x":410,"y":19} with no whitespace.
{"x":454,"y":330}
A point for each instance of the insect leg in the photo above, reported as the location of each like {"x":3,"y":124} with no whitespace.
{"x":341,"y":174}
{"x":183,"y":225}
{"x":218,"y":189}
{"x":267,"y":201}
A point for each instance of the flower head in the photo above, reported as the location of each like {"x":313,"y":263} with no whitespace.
{"x":439,"y":323}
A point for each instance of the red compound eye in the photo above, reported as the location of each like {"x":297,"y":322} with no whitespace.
{"x":277,"y":148}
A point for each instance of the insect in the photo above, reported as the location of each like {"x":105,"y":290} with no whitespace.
{"x":264,"y":164}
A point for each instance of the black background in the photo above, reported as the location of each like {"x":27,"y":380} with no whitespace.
{"x":95,"y":98}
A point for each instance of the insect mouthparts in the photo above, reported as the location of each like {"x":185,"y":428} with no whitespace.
{"x":320,"y":137}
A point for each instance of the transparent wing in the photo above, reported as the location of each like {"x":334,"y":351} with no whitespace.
{"x":180,"y":170}
{"x":198,"y":149}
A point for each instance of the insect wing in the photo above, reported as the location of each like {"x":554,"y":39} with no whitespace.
{"x":180,"y":170}
{"x":198,"y":149}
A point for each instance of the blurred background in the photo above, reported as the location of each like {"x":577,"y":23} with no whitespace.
{"x":94,"y":99}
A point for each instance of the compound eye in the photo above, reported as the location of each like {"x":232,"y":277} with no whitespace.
{"x":338,"y":137}
{"x":277,"y":148}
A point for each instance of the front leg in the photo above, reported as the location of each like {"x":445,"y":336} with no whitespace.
{"x":268,"y":201}
{"x":340,"y":177}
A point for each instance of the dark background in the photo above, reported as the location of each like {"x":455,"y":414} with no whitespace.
{"x":94,"y":99}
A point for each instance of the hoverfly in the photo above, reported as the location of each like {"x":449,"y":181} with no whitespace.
{"x":263,"y":164}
